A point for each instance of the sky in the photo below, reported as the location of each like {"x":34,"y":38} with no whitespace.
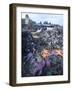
{"x":53,"y":18}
